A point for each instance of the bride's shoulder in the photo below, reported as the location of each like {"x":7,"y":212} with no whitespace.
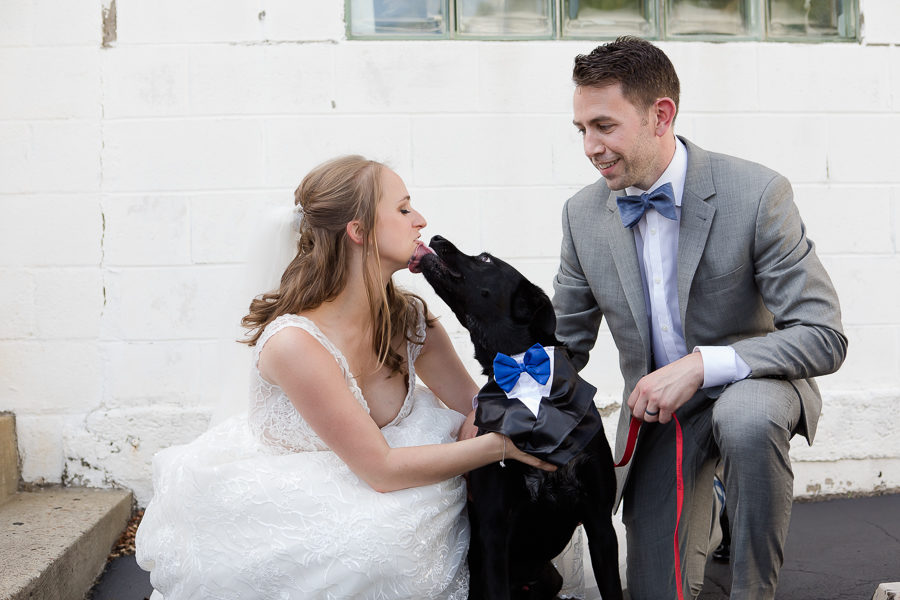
{"x":295,"y":346}
{"x":289,"y":339}
{"x":281,"y":323}
{"x":289,"y":329}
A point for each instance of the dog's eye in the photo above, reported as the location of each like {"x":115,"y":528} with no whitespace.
{"x":484,"y":257}
{"x":485,"y":293}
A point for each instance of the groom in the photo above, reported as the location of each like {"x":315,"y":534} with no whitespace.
{"x":721,"y":313}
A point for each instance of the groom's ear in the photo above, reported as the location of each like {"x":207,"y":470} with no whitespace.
{"x":663,"y":112}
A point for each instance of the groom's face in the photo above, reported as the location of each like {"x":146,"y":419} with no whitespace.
{"x":619,"y":137}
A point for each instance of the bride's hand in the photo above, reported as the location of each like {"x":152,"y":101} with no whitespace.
{"x":468,"y":430}
{"x":513,"y":453}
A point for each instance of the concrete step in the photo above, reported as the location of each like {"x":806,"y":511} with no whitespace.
{"x":9,"y":457}
{"x":887,"y":591}
{"x":54,"y":541}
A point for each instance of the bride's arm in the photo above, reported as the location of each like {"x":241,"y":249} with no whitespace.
{"x":312,"y":380}
{"x":440,"y":368}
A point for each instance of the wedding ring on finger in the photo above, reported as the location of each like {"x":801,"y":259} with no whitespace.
{"x":652,"y":413}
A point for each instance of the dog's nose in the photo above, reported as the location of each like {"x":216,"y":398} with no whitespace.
{"x":442,"y":246}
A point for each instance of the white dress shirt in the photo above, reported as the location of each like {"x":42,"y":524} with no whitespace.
{"x":656,"y":240}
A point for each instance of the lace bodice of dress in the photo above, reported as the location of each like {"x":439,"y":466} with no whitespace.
{"x":274,"y":420}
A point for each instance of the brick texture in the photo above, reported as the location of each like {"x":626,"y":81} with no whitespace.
{"x":132,"y":178}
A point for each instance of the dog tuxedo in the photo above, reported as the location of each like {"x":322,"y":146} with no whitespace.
{"x":553,"y":420}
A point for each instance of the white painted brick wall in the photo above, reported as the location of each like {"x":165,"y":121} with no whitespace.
{"x":182,"y":154}
{"x":881,"y":19}
{"x":819,"y":204}
{"x":859,"y":147}
{"x":48,"y":377}
{"x":131,"y":178}
{"x":31,"y":23}
{"x":295,"y":144}
{"x":168,"y":303}
{"x":63,"y":96}
{"x":151,"y":229}
{"x":718,"y":78}
{"x":45,"y":229}
{"x":196,"y":22}
{"x":138,"y":83}
{"x":860,"y":81}
{"x":40,"y":449}
{"x":49,"y":156}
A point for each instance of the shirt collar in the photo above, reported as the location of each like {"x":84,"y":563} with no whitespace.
{"x":675,"y":174}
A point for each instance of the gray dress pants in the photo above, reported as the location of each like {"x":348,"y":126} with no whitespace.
{"x":748,"y":428}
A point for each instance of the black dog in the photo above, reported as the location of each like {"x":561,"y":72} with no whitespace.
{"x":523,"y":517}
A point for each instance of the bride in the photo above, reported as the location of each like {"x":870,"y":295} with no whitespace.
{"x":344,"y":478}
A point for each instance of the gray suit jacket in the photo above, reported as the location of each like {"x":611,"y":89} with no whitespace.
{"x":748,"y":277}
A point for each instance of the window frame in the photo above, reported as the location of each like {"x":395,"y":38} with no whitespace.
{"x":659,"y":9}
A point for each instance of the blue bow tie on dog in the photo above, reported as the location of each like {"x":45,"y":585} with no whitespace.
{"x":566,"y":420}
{"x":632,"y":208}
{"x":507,"y":370}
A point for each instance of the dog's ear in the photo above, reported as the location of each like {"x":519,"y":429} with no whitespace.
{"x":531,"y":305}
{"x":543,"y":326}
{"x":524,"y":304}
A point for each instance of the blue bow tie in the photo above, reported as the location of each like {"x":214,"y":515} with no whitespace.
{"x":507,"y":371}
{"x":632,"y":208}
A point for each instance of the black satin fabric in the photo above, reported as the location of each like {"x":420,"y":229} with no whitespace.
{"x":566,"y":421}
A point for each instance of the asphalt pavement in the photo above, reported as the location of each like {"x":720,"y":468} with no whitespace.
{"x":838,"y":549}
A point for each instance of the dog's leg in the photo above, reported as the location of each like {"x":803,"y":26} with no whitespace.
{"x":476,"y":556}
{"x":493,"y":514}
{"x":496,"y":559}
{"x":604,"y":549}
{"x":599,"y":479}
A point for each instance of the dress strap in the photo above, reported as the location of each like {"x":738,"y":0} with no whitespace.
{"x":291,"y":320}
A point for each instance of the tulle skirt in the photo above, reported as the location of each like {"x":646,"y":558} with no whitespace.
{"x":231,"y":519}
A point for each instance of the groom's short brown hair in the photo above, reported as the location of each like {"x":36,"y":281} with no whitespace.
{"x":643,"y":70}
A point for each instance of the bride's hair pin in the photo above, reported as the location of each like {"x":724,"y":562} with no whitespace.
{"x":297,"y":218}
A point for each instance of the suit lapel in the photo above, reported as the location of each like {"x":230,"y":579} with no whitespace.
{"x":696,"y":220}
{"x":624,"y":252}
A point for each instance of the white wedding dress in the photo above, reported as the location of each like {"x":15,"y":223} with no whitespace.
{"x":259,"y":507}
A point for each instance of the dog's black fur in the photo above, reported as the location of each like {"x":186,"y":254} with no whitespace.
{"x":522,"y":517}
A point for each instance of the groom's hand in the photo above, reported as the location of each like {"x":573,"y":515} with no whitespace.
{"x":659,"y":394}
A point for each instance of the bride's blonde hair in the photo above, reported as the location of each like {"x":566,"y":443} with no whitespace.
{"x":336,"y":192}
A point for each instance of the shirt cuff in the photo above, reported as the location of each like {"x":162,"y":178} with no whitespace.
{"x":721,"y":365}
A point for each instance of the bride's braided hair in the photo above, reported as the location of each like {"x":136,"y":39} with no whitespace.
{"x":330,"y":196}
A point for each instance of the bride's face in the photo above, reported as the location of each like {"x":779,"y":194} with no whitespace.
{"x":398,"y":225}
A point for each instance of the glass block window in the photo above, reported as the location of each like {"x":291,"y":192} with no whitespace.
{"x":589,"y":19}
{"x":804,"y":19}
{"x":397,"y":19}
{"x":505,"y":19}
{"x":711,"y":19}
{"x":717,"y":20}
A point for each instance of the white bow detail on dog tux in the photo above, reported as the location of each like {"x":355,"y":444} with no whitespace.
{"x":527,"y":389}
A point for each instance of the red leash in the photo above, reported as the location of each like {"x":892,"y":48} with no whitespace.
{"x":679,"y":501}
{"x":633,"y":428}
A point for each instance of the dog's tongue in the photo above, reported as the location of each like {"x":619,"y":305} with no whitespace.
{"x":421,"y":250}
